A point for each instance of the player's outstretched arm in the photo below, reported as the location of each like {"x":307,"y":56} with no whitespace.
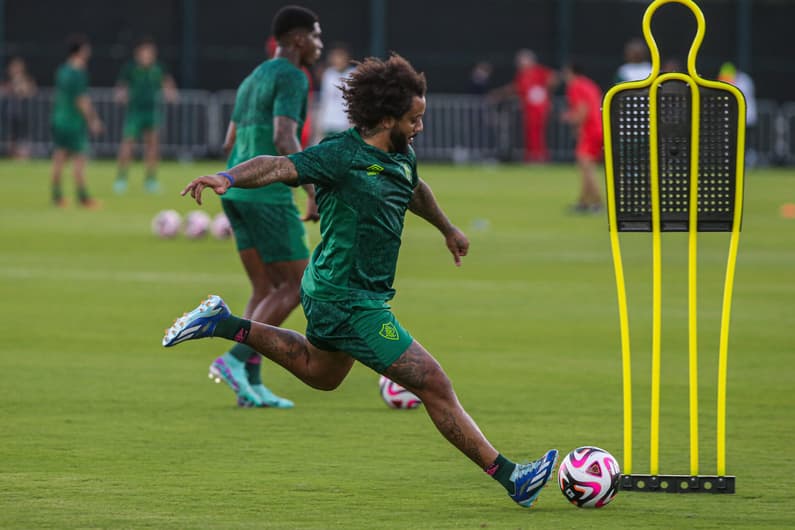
{"x":254,"y":173}
{"x":424,"y":204}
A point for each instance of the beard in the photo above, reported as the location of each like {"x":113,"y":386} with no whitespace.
{"x":399,"y":141}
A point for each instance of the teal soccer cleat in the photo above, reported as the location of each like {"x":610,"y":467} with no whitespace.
{"x":199,"y":323}
{"x":269,"y":399}
{"x":529,"y":479}
{"x":233,"y":372}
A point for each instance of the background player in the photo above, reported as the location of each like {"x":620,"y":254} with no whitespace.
{"x":73,"y":116}
{"x":584,"y":103}
{"x":141,"y":82}
{"x":270,"y":109}
{"x":331,"y":117}
{"x":367,"y":179}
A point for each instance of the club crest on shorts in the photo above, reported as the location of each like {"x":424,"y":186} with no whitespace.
{"x":389,"y":331}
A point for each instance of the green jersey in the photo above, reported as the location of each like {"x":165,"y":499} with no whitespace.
{"x":70,"y":84}
{"x":362,"y":194}
{"x":144,"y":85}
{"x":274,"y":88}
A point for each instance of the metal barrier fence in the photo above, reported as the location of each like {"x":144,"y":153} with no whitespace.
{"x":459,"y":128}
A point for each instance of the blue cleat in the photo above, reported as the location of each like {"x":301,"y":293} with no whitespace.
{"x":233,"y":372}
{"x":529,"y":479}
{"x":269,"y":399}
{"x":152,"y":186}
{"x":199,"y":323}
{"x":120,"y":186}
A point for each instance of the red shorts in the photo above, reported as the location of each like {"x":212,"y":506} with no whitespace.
{"x":590,"y":145}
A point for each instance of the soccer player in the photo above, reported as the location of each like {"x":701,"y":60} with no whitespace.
{"x":584,"y":114}
{"x":366,"y":179}
{"x":532,"y":85}
{"x":73,"y":116}
{"x":269,"y":112}
{"x":140,"y":85}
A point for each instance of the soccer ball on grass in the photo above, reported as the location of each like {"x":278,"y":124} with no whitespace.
{"x":588,"y":477}
{"x":220,"y":227}
{"x":166,"y":224}
{"x":395,"y":396}
{"x":197,"y":224}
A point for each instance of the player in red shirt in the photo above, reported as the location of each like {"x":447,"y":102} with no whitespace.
{"x":584,"y":113}
{"x":532,"y":84}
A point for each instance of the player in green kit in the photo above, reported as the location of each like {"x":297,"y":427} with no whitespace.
{"x":270,"y":110}
{"x":142,"y":82}
{"x":366,"y":179}
{"x":73,"y":116}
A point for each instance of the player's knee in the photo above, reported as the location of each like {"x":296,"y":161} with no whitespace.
{"x":437,"y":386}
{"x":326,"y":383}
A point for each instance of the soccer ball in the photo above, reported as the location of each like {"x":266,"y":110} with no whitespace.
{"x":588,"y":477}
{"x":197,"y":224}
{"x":166,"y":224}
{"x":395,"y":396}
{"x":220,"y":227}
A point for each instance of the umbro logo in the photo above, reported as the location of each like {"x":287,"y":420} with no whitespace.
{"x":374,"y":169}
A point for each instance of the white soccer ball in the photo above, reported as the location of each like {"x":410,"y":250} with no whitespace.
{"x":588,"y":477}
{"x":197,"y":224}
{"x":220,"y":227}
{"x":395,"y":396}
{"x":166,"y":224}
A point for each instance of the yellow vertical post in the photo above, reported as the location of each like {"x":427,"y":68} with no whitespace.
{"x":623,"y":312}
{"x":695,"y":120}
{"x":656,"y":332}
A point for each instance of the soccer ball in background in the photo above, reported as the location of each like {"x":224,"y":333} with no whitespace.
{"x":166,"y":224}
{"x":197,"y":224}
{"x":220,"y":227}
{"x":588,"y":477}
{"x":395,"y":396}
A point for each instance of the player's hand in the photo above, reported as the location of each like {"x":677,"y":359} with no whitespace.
{"x":458,"y":244}
{"x":311,"y":211}
{"x":171,"y":95}
{"x":96,"y":127}
{"x":218,"y":183}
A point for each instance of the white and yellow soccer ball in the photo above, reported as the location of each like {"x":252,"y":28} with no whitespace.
{"x":589,"y":477}
{"x":197,"y":224}
{"x":166,"y":224}
{"x":395,"y":396}
{"x":220,"y":227}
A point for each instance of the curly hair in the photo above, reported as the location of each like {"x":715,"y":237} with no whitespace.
{"x":377,"y":89}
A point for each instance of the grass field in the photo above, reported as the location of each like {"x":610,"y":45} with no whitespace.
{"x":100,"y":427}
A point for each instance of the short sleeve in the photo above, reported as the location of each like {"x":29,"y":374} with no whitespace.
{"x":77,"y":84}
{"x":236,"y":112}
{"x":291,"y":93}
{"x":322,"y":164}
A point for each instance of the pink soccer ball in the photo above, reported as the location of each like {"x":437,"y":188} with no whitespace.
{"x":197,"y":224}
{"x":220,"y":227}
{"x":588,"y":477}
{"x":395,"y":396}
{"x":166,"y":224}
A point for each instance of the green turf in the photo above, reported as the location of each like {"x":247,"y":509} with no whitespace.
{"x":100,"y":427}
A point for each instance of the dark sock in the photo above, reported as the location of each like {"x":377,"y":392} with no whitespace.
{"x":121,"y":175}
{"x":241,"y":352}
{"x":254,"y":372}
{"x":501,"y":471}
{"x":233,"y":328}
{"x":57,"y":193}
{"x":82,"y":194}
{"x":151,"y":177}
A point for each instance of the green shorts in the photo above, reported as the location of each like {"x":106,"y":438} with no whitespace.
{"x":365,"y":329}
{"x":137,"y":123}
{"x":274,"y":230}
{"x":72,"y":138}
